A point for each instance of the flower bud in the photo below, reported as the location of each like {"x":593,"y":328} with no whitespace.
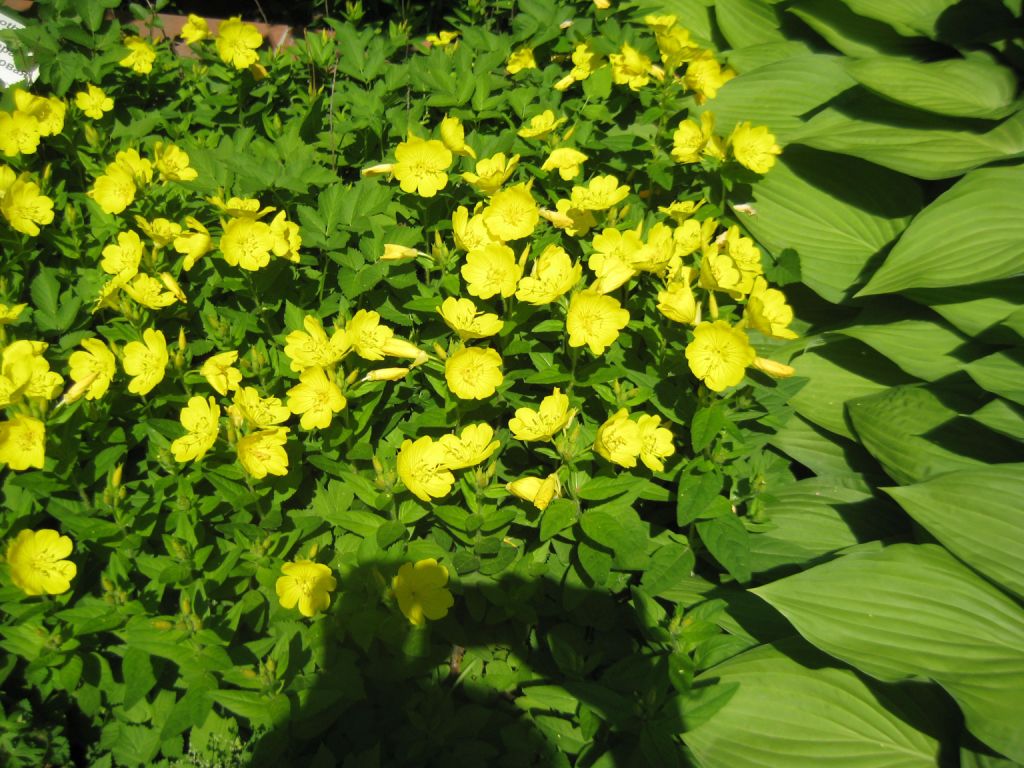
{"x":401,"y":348}
{"x":774,"y":368}
{"x":172,"y":285}
{"x":78,"y":390}
{"x":387,"y":374}
{"x":377,"y":170}
{"x":396,"y":252}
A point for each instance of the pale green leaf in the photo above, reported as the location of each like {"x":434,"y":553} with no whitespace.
{"x":976,"y":514}
{"x":836,"y":212}
{"x":912,"y":611}
{"x":910,"y":141}
{"x":906,"y":16}
{"x":1002,"y":417}
{"x":748,"y":22}
{"x":922,"y":348}
{"x":851,"y":34}
{"x":792,"y":709}
{"x":970,"y":234}
{"x":1001,"y":373}
{"x":825,"y":454}
{"x":972,"y":87}
{"x":973,"y":308}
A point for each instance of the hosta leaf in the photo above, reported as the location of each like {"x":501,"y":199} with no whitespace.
{"x":970,"y":234}
{"x":849,"y":33}
{"x":792,"y":709}
{"x":915,"y":436}
{"x":836,"y":212}
{"x":915,"y":611}
{"x":906,"y":16}
{"x":1002,"y":417}
{"x":1001,"y":374}
{"x":922,"y":348}
{"x":825,"y":454}
{"x":910,"y":141}
{"x":748,"y":22}
{"x":973,"y":87}
{"x":973,"y":308}
{"x":976,"y":514}
{"x":777,"y":95}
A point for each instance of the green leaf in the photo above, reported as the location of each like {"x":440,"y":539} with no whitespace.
{"x":669,"y":565}
{"x":976,"y":514}
{"x":915,"y":611}
{"x":792,"y":708}
{"x":748,"y":22}
{"x":922,"y":348}
{"x":825,"y":454}
{"x":728,"y":541}
{"x":1001,"y":374}
{"x":983,"y":213}
{"x":836,"y":212}
{"x":777,"y":95}
{"x":137,"y":670}
{"x":973,"y":309}
{"x":849,"y":33}
{"x":973,"y":87}
{"x":1002,"y":417}
{"x":559,"y":515}
{"x":706,"y":424}
{"x":390,"y":532}
{"x":45,"y":291}
{"x":695,"y":494}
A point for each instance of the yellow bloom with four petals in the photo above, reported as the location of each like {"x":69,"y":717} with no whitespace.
{"x":22,"y":443}
{"x":553,"y":275}
{"x":550,"y":418}
{"x":491,"y":270}
{"x":519,"y":60}
{"x":618,"y":440}
{"x":141,"y":55}
{"x":473,"y":373}
{"x":540,"y":125}
{"x":595,"y":320}
{"x":719,"y":355}
{"x":237,"y":42}
{"x":474,"y":445}
{"x":93,"y":102}
{"x":94,"y":360}
{"x":145,"y":361}
{"x":316,"y":398}
{"x":421,"y":592}
{"x":220,"y":372}
{"x":37,"y":562}
{"x":262,"y":453}
{"x":201,"y":420}
{"x":463,"y":317}
{"x":307,"y":585}
{"x":422,"y":466}
{"x":422,"y":166}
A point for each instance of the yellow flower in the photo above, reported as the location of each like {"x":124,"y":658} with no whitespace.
{"x":470,"y":232}
{"x":24,"y":207}
{"x":422,"y":466}
{"x":237,"y":43}
{"x":422,"y":166}
{"x":549,"y":419}
{"x":719,"y":272}
{"x":220,"y":373}
{"x":312,"y":347}
{"x":367,"y":336}
{"x":172,"y":163}
{"x":704,"y":76}
{"x":8,"y":314}
{"x":473,"y":446}
{"x":94,"y":360}
{"x":316,"y":398}
{"x":491,"y":270}
{"x":195,"y":29}
{"x":37,"y":562}
{"x":574,"y":221}
{"x":247,"y":243}
{"x":689,"y":139}
{"x":241,"y":207}
{"x":93,"y":102}
{"x":676,"y":302}
{"x":552,"y":276}
{"x":421,"y":592}
{"x":754,"y":148}
{"x":22,"y":443}
{"x":599,"y":195}
{"x":768,"y":312}
{"x":122,"y":259}
{"x":453,"y":136}
{"x":259,"y":412}
{"x":193,"y":243}
{"x":611,"y":261}
{"x":148,"y":291}
{"x":131,"y":161}
{"x":145,"y":361}
{"x":463,"y":317}
{"x":491,"y":172}
{"x":19,"y":133}
{"x":693,"y":235}
{"x":114,"y":190}
{"x":287,"y":239}
{"x":442,"y":39}
{"x":386,"y":374}
{"x":630,"y":67}
{"x":719,"y":354}
{"x":24,"y":372}
{"x":535,"y":490}
{"x":141,"y":55}
{"x":262,"y":453}
{"x":473,"y":373}
{"x":567,"y":161}
{"x":540,"y":125}
{"x":306,"y":584}
{"x":512,"y":213}
{"x":585,"y":62}
{"x":521,"y":58}
{"x":681,"y":210}
{"x":618,"y":440}
{"x":655,"y":442}
{"x":201,"y":419}
{"x":743,"y":251}
{"x":656,"y":254}
{"x":595,"y":320}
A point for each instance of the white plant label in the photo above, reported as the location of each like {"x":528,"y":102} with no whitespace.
{"x":9,"y":72}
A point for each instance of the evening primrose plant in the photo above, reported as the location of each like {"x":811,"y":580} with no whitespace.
{"x":373,"y":367}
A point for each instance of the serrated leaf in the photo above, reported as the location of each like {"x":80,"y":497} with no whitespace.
{"x":836,"y":212}
{"x":767,"y":721}
{"x":976,"y":514}
{"x":915,"y":611}
{"x":981,"y":213}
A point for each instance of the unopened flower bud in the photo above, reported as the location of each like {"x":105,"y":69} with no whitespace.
{"x":774,"y":368}
{"x":387,"y":374}
{"x":172,"y":285}
{"x":439,"y":351}
{"x":377,"y":170}
{"x":401,"y":348}
{"x":78,"y":390}
{"x":396,"y":252}
{"x":115,"y":476}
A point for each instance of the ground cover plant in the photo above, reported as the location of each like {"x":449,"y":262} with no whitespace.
{"x":402,"y":399}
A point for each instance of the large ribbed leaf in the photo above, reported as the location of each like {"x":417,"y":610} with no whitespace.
{"x":910,"y":141}
{"x":839,"y":371}
{"x":1001,"y":374}
{"x":970,"y":234}
{"x":805,"y":715}
{"x":977,"y":515}
{"x":975,"y":87}
{"x":973,"y":308}
{"x":778,"y":94}
{"x":915,"y":611}
{"x":914,"y":436}
{"x":826,"y":455}
{"x":815,"y":517}
{"x":748,"y":22}
{"x":849,"y":33}
{"x":922,"y":348}
{"x":1002,"y":417}
{"x":906,"y":16}
{"x":836,"y":212}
